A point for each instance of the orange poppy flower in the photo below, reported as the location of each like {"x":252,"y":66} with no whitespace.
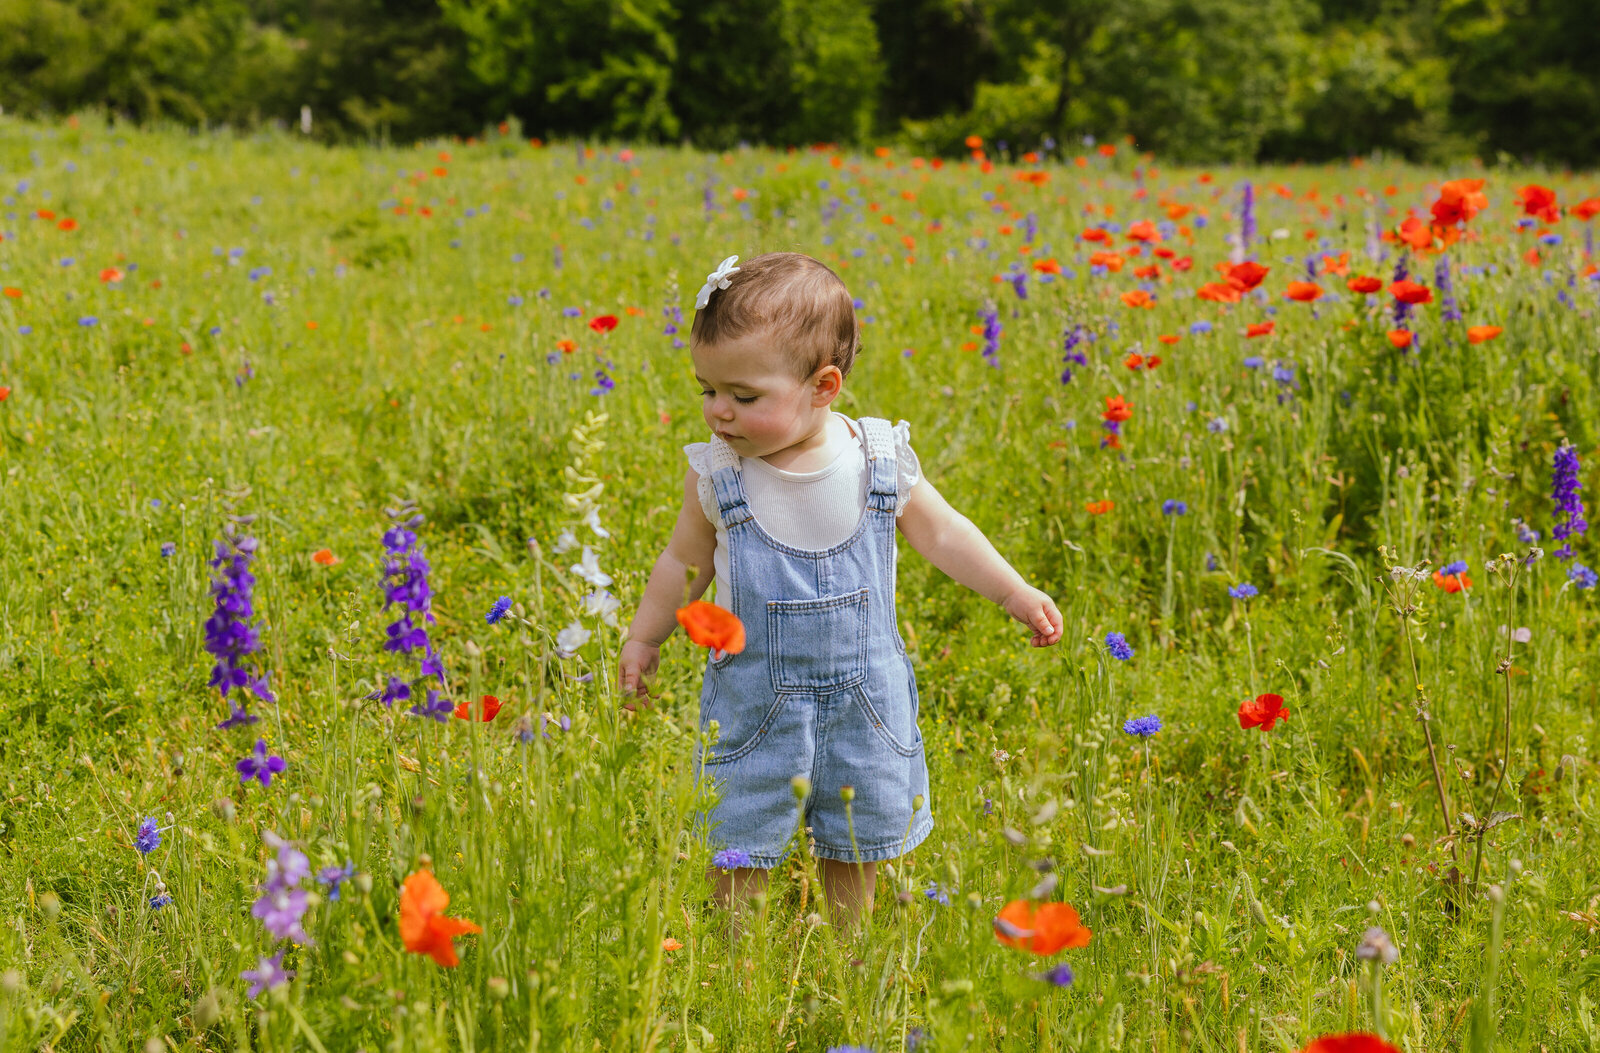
{"x":45,"y":213}
{"x":1586,"y":209}
{"x":974,"y":141}
{"x":1111,"y":261}
{"x":323,"y":556}
{"x":1144,"y":230}
{"x":670,"y":944}
{"x":711,"y":626}
{"x":1459,"y":200}
{"x":1477,"y":334}
{"x":423,"y":927}
{"x":1407,"y":291}
{"x":1358,"y":1042}
{"x":69,"y":224}
{"x":1050,"y":928}
{"x":1417,"y":234}
{"x":1117,"y":409}
{"x":1095,"y":234}
{"x":1048,"y":266}
{"x":12,"y":291}
{"x":1540,"y":202}
{"x":1247,"y":275}
{"x":566,"y":346}
{"x":1147,"y":273}
{"x":1262,"y":712}
{"x":1339,"y":266}
{"x":1138,"y":298}
{"x":1364,"y":284}
{"x":111,"y":274}
{"x":5,"y":393}
{"x":1304,"y":292}
{"x":1169,"y":338}
{"x":1177,"y":210}
{"x":1218,"y":292}
{"x":1099,"y":508}
{"x":1451,"y":582}
{"x":488,"y":709}
{"x":1107,"y":150}
{"x":1401,"y":338}
{"x":1260,"y":329}
{"x":1134,"y":360}
{"x":1183,"y":263}
{"x":603,"y":323}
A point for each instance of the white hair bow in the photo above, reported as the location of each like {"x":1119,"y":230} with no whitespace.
{"x":720,"y":278}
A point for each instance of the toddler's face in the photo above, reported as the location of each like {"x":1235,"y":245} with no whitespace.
{"x":751,"y":398}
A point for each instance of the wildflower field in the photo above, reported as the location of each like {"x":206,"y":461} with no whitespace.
{"x":327,"y":477}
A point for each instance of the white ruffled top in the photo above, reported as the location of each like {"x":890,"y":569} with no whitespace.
{"x":806,"y":510}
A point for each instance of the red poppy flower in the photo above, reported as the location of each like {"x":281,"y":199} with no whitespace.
{"x":1260,"y":329}
{"x":1539,"y":202}
{"x":1183,"y":263}
{"x":69,"y":224}
{"x":1095,"y":234}
{"x":566,"y":346}
{"x":1144,"y":230}
{"x":1218,"y":292}
{"x":1049,"y":266}
{"x":1117,"y":409}
{"x":603,"y":323}
{"x":1099,"y":508}
{"x":423,"y":927}
{"x":1304,"y":292}
{"x":1477,"y":334}
{"x":1407,"y":291}
{"x":1262,"y":712}
{"x":1364,"y":284}
{"x":1138,"y":298}
{"x":45,"y":213}
{"x":1169,"y":338}
{"x":111,"y":274}
{"x":1358,"y":1042}
{"x":711,"y":626}
{"x":12,"y":292}
{"x":1339,"y":266}
{"x":323,"y":556}
{"x":488,"y":709}
{"x":1247,"y":275}
{"x":1417,"y":234}
{"x":1111,"y":261}
{"x":1459,"y":200}
{"x":1587,"y":209}
{"x":5,"y":393}
{"x":1049,"y":928}
{"x":1451,"y":582}
{"x":1401,"y":338}
{"x":1147,"y":273}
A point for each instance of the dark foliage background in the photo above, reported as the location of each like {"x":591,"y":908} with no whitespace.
{"x":1230,"y":80}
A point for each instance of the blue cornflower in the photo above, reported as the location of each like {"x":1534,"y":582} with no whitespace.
{"x":333,"y":877}
{"x":88,"y":320}
{"x":498,"y":611}
{"x":257,"y":273}
{"x":1143,"y":727}
{"x":1454,"y":567}
{"x":1117,"y":644}
{"x":1060,"y":976}
{"x":1172,"y":507}
{"x":1582,"y":576}
{"x":1564,"y":492}
{"x":1254,"y":362}
{"x":157,"y":902}
{"x":729,"y":858}
{"x":1217,"y":425}
{"x":571,"y":312}
{"x":937,"y":894}
{"x":1243,"y":591}
{"x":147,"y":838}
{"x":1202,"y":326}
{"x":168,"y":548}
{"x":259,"y":764}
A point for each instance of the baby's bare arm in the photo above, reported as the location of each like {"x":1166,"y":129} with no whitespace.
{"x":693,"y":545}
{"x":951,"y":542}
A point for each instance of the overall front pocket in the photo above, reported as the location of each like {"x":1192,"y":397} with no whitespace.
{"x":818,"y":645}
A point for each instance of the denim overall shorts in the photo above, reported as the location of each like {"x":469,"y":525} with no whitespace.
{"x":823,"y":688}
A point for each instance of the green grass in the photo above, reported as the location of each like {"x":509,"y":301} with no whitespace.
{"x":1227,"y":875}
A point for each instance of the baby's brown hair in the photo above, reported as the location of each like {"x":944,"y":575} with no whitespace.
{"x":799,"y":299}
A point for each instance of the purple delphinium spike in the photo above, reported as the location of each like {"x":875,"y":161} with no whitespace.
{"x":1030,"y":227}
{"x":259,"y":764}
{"x":1069,"y":352}
{"x":1247,"y":216}
{"x":1565,"y":485}
{"x":1402,"y":310}
{"x":269,"y":974}
{"x":1019,"y":281}
{"x":405,"y":583}
{"x":1449,"y":310}
{"x":230,"y":638}
{"x":991,"y":335}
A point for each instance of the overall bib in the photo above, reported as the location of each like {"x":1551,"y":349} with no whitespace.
{"x":823,"y":688}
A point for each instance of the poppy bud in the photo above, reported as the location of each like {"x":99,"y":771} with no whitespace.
{"x":499,"y":988}
{"x":916,"y":803}
{"x":847,"y":794}
{"x":802,"y":787}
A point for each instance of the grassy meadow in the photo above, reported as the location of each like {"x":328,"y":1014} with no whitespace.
{"x":210,"y":333}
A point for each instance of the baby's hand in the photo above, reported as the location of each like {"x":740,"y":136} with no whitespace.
{"x":1038,"y":612}
{"x":636,"y":667}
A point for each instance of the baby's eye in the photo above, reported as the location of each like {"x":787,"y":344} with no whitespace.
{"x":746,"y":401}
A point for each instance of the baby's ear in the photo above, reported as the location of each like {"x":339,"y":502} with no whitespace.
{"x":828,"y":382}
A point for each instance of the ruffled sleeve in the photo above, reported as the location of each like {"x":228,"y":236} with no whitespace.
{"x":908,"y":470}
{"x":699,"y":455}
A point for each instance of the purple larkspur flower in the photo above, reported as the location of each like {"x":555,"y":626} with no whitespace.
{"x":1565,"y":485}
{"x":1059,"y":976}
{"x":1449,"y":310}
{"x":1019,"y":282}
{"x":405,"y":584}
{"x":1582,"y":576}
{"x":332,"y":877}
{"x":938,"y":894}
{"x":269,"y":974}
{"x":230,"y":638}
{"x":1247,"y":216}
{"x":259,"y":764}
{"x":433,"y":706}
{"x":991,"y":335}
{"x":281,"y":911}
{"x":1070,"y":353}
{"x":1402,"y":310}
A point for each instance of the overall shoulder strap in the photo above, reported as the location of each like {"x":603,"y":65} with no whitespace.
{"x":729,"y":483}
{"x":882,"y":488}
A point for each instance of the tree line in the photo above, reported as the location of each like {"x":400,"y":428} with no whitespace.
{"x":1201,"y":80}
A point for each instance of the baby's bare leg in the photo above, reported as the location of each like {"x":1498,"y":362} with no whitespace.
{"x":733,"y":889}
{"x":849,"y":887}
